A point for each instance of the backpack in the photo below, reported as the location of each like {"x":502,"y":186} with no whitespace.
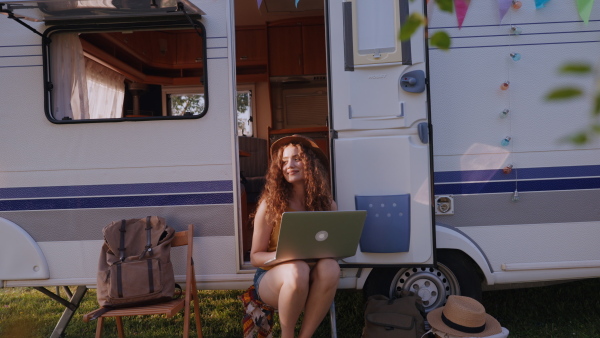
{"x":135,"y":265}
{"x":402,"y":317}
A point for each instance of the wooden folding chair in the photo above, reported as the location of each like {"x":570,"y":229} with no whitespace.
{"x":169,"y":308}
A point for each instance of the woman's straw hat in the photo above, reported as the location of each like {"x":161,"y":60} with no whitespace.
{"x":463,"y":317}
{"x":299,"y":139}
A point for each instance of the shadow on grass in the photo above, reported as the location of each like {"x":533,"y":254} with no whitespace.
{"x":562,"y":310}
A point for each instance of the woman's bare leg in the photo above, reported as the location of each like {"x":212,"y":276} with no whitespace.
{"x":324,"y":279}
{"x":285,"y":287}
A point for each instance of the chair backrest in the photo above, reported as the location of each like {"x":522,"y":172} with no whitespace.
{"x":184,"y":237}
{"x":187,"y":238}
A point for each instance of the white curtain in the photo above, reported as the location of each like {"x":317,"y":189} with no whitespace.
{"x":105,"y":91}
{"x":66,"y":5}
{"x":69,"y":96}
{"x":83,"y":89}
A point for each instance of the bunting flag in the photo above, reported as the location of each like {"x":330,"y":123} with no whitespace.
{"x":503,"y":6}
{"x":461,"y":7}
{"x":584,"y":7}
{"x":259,"y":3}
{"x":297,"y":3}
{"x":540,"y":3}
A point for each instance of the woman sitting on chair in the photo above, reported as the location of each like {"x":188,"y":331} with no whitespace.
{"x":297,"y":180}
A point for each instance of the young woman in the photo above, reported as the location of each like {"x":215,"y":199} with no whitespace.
{"x":297,"y":180}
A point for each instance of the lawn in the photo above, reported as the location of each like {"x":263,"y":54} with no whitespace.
{"x":563,"y":310}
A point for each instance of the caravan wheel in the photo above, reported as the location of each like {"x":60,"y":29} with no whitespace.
{"x":454,"y":275}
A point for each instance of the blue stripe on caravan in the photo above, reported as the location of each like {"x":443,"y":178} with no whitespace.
{"x":510,"y":186}
{"x":472,"y":175}
{"x":523,"y":173}
{"x":117,"y":189}
{"x":116,"y":202}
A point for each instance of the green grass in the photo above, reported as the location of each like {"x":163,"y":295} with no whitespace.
{"x":563,"y":310}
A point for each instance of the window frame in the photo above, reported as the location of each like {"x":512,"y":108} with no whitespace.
{"x":169,"y":24}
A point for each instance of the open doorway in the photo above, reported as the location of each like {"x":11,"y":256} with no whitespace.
{"x":281,"y":54}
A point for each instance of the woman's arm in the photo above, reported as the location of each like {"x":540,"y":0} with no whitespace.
{"x":261,"y":237}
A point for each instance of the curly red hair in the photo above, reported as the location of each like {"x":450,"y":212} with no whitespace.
{"x":277,"y":190}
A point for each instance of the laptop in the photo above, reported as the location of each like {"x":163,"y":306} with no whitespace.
{"x":311,"y":235}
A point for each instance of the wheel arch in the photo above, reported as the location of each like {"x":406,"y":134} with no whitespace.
{"x":451,"y":238}
{"x":22,"y":258}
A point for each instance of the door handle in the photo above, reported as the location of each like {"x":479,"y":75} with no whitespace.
{"x":423,"y":129}
{"x":413,"y":81}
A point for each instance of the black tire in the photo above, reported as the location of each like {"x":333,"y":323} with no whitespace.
{"x":456,"y":274}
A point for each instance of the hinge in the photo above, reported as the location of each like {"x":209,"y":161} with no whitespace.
{"x":11,"y":15}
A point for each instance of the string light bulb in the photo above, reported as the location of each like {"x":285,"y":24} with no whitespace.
{"x":505,"y":141}
{"x":514,"y":30}
{"x":515,"y":56}
{"x":504,"y":85}
{"x":504,"y":113}
{"x":516,"y":4}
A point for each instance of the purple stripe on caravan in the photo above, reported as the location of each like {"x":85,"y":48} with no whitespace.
{"x":117,"y":189}
{"x":523,"y":186}
{"x":523,"y":173}
{"x":115,"y":202}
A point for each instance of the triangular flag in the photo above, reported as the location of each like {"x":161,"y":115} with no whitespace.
{"x":259,"y":3}
{"x":503,"y":6}
{"x":584,"y":7}
{"x":461,"y":7}
{"x":540,"y":3}
{"x":297,"y":3}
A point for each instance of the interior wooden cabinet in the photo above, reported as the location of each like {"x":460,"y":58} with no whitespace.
{"x":157,"y":57}
{"x":251,"y":53}
{"x":313,"y":49}
{"x":251,"y":45}
{"x":187,"y":45}
{"x":297,"y":47}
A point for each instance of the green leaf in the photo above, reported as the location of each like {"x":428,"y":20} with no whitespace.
{"x":576,"y":68}
{"x":415,"y":20}
{"x":580,"y":138}
{"x":445,"y":5}
{"x":564,"y":93}
{"x":440,"y":40}
{"x":596,"y":111}
{"x":596,"y":128}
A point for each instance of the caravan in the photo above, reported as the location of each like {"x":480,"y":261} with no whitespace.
{"x":123,"y":109}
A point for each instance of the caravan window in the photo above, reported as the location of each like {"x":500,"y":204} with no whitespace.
{"x":182,"y":100}
{"x":245,"y":110}
{"x":121,"y":73}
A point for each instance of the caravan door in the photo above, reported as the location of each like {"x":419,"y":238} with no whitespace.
{"x":380,"y":129}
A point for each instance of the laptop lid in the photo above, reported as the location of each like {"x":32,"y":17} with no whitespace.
{"x":319,"y":234}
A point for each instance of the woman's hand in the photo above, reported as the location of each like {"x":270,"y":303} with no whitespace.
{"x":333,"y":206}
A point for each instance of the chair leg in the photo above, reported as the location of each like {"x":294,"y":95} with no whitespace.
{"x":332,"y":320}
{"x":186,"y":319}
{"x":120,"y":327}
{"x":99,"y":327}
{"x":197,"y":313}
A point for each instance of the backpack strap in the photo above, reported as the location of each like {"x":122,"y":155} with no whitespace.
{"x":121,"y":258}
{"x":150,"y":276}
{"x":122,"y":246}
{"x":148,"y":238}
{"x":100,"y":312}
